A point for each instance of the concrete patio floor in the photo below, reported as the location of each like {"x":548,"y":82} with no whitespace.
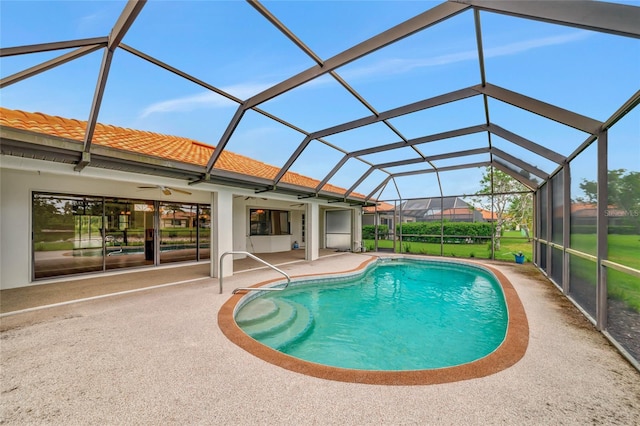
{"x":125,"y":280}
{"x":157,"y":356}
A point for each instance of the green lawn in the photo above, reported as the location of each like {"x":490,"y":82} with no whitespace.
{"x":510,"y":245}
{"x":623,"y":249}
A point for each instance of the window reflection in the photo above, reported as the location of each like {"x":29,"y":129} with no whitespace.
{"x":178,"y":232}
{"x":204,"y":232}
{"x":67,"y":235}
{"x":74,"y":234}
{"x":126,"y":223}
{"x":269,"y":222}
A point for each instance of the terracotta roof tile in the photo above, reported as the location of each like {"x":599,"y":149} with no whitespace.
{"x":381,"y":207}
{"x":155,"y":144}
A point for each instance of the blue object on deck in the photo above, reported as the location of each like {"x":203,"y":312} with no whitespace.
{"x":519,"y":258}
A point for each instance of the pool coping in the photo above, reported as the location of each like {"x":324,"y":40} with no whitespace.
{"x":507,"y":354}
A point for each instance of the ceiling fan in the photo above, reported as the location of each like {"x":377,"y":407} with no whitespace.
{"x":165,"y":189}
{"x":249,"y":198}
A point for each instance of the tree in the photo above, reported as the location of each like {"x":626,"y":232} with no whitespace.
{"x":504,"y":199}
{"x":521,"y":211}
{"x":624,"y":193}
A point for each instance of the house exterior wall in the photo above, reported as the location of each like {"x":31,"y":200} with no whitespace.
{"x":230,"y":207}
{"x":21,"y":177}
{"x":222,"y":239}
{"x":313,"y":232}
{"x":296,"y":228}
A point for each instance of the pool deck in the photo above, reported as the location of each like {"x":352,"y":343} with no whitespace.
{"x":154,"y":353}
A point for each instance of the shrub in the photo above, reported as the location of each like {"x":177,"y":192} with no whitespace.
{"x":453,"y":232}
{"x":369,"y":232}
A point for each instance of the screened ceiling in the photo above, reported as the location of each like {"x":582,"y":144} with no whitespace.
{"x":386,"y":99}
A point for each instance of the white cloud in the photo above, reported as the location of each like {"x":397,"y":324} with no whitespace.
{"x":95,"y":24}
{"x":400,"y":66}
{"x":203,"y":100}
{"x":522,"y":46}
{"x":384,"y":67}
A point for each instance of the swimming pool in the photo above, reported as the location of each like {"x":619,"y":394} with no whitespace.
{"x":424,"y":343}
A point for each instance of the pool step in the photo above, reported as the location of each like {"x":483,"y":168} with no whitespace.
{"x":256,"y":311}
{"x":275,"y":322}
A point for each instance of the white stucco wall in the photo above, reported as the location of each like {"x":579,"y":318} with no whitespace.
{"x":20,"y":177}
{"x":296,"y":228}
{"x":14,"y":231}
{"x":312,"y":249}
{"x":222,"y":227}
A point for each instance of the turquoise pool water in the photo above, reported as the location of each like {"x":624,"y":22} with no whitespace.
{"x":399,"y":315}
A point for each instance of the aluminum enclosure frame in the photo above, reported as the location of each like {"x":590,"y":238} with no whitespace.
{"x":595,"y":16}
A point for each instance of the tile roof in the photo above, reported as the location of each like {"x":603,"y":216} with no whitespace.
{"x":380,"y":207}
{"x":487,"y":215}
{"x":155,"y":144}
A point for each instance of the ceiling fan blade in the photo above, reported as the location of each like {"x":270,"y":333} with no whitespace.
{"x":181,"y":191}
{"x":147,"y":187}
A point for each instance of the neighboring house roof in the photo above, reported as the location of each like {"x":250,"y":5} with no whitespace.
{"x":155,"y":144}
{"x":177,"y":214}
{"x":580,"y":209}
{"x":434,"y":204}
{"x":584,"y":210}
{"x":487,"y":215}
{"x":380,"y":207}
{"x":458,"y":211}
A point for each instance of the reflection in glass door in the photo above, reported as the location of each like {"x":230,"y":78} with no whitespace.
{"x":67,"y":237}
{"x":178,"y":232}
{"x":74,"y":234}
{"x":129,"y":233}
{"x":204,"y":232}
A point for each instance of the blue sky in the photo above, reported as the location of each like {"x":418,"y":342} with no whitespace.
{"x":231,"y":46}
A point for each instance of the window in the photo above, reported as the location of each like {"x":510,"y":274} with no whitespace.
{"x":75,"y":234}
{"x":268,"y":222}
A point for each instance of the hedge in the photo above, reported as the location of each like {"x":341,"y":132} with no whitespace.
{"x":369,"y":232}
{"x":429,"y":232}
{"x":454,"y":232}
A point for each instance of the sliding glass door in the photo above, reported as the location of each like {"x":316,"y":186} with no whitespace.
{"x":178,"y":232}
{"x":67,"y":235}
{"x":129,"y":233}
{"x":75,"y":234}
